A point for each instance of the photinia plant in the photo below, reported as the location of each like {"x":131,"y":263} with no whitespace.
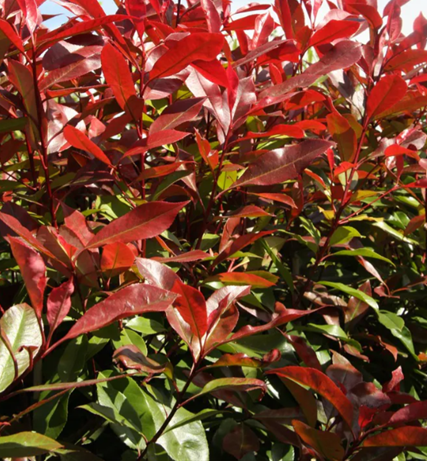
{"x":213,"y":232}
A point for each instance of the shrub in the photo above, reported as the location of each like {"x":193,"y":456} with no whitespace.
{"x":173,"y":176}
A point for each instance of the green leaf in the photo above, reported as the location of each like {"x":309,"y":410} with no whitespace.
{"x":170,"y":179}
{"x":24,"y":444}
{"x":391,"y":320}
{"x":283,"y":271}
{"x":364,"y":252}
{"x":13,"y":124}
{"x":184,"y":442}
{"x":332,"y":330}
{"x":201,"y":416}
{"x":235,"y":384}
{"x":145,"y":326}
{"x":51,"y":418}
{"x":130,"y":337}
{"x":405,"y":337}
{"x":352,"y":292}
{"x":394,"y":233}
{"x":19,"y":325}
{"x":125,"y":404}
{"x":343,"y":235}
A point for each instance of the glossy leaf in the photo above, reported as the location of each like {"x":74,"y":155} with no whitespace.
{"x":402,"y":437}
{"x":26,"y":444}
{"x":120,"y":80}
{"x":281,"y":165}
{"x":192,"y":307}
{"x":132,"y":300}
{"x":196,"y":46}
{"x":116,"y":258}
{"x":232,"y":384}
{"x":80,"y":141}
{"x":333,"y":30}
{"x":59,"y":304}
{"x":327,"y":444}
{"x":387,"y":92}
{"x":20,"y":335}
{"x":143,"y":222}
{"x":321,"y":384}
{"x":33,"y":272}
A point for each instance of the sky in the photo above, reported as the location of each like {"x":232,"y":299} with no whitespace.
{"x":409,"y":11}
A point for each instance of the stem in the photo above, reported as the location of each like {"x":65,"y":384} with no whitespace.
{"x":43,"y":148}
{"x":178,"y":12}
{"x":215,"y":187}
{"x":175,"y":408}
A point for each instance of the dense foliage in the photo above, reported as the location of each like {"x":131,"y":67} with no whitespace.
{"x":213,"y":232}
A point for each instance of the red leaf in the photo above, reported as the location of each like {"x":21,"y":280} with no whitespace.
{"x":30,"y":12}
{"x":243,"y":278}
{"x":177,"y":114}
{"x":222,"y":314}
{"x":236,"y":360}
{"x":138,"y":11}
{"x":283,"y":11}
{"x":305,"y":399}
{"x":303,"y":99}
{"x":277,"y":197}
{"x":80,"y":141}
{"x":370,"y":13}
{"x":264,"y":26}
{"x":156,"y":273}
{"x":80,"y":28}
{"x":116,"y":258}
{"x":278,"y":130}
{"x":132,"y":358}
{"x":249,"y":211}
{"x":412,"y":412}
{"x":22,"y":78}
{"x":281,"y":317}
{"x":59,"y":304}
{"x":157,"y":139}
{"x":12,"y":224}
{"x":82,"y":64}
{"x":304,"y":351}
{"x":396,"y":377}
{"x":237,"y":245}
{"x":212,"y":70}
{"x":406,"y":60}
{"x":75,"y":221}
{"x":344,"y":54}
{"x":271,"y":50}
{"x":144,"y":222}
{"x":396,"y":150}
{"x":402,"y":437}
{"x":327,"y":444}
{"x":213,"y":17}
{"x":245,"y":23}
{"x":387,"y":92}
{"x":240,"y":441}
{"x":343,"y":134}
{"x":321,"y":384}
{"x":9,"y":33}
{"x":334,"y":30}
{"x":133,"y":300}
{"x":188,"y":257}
{"x":280,"y":165}
{"x":412,"y":101}
{"x":33,"y":271}
{"x":159,"y":171}
{"x":192,"y":306}
{"x":119,"y":78}
{"x":197,"y":46}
